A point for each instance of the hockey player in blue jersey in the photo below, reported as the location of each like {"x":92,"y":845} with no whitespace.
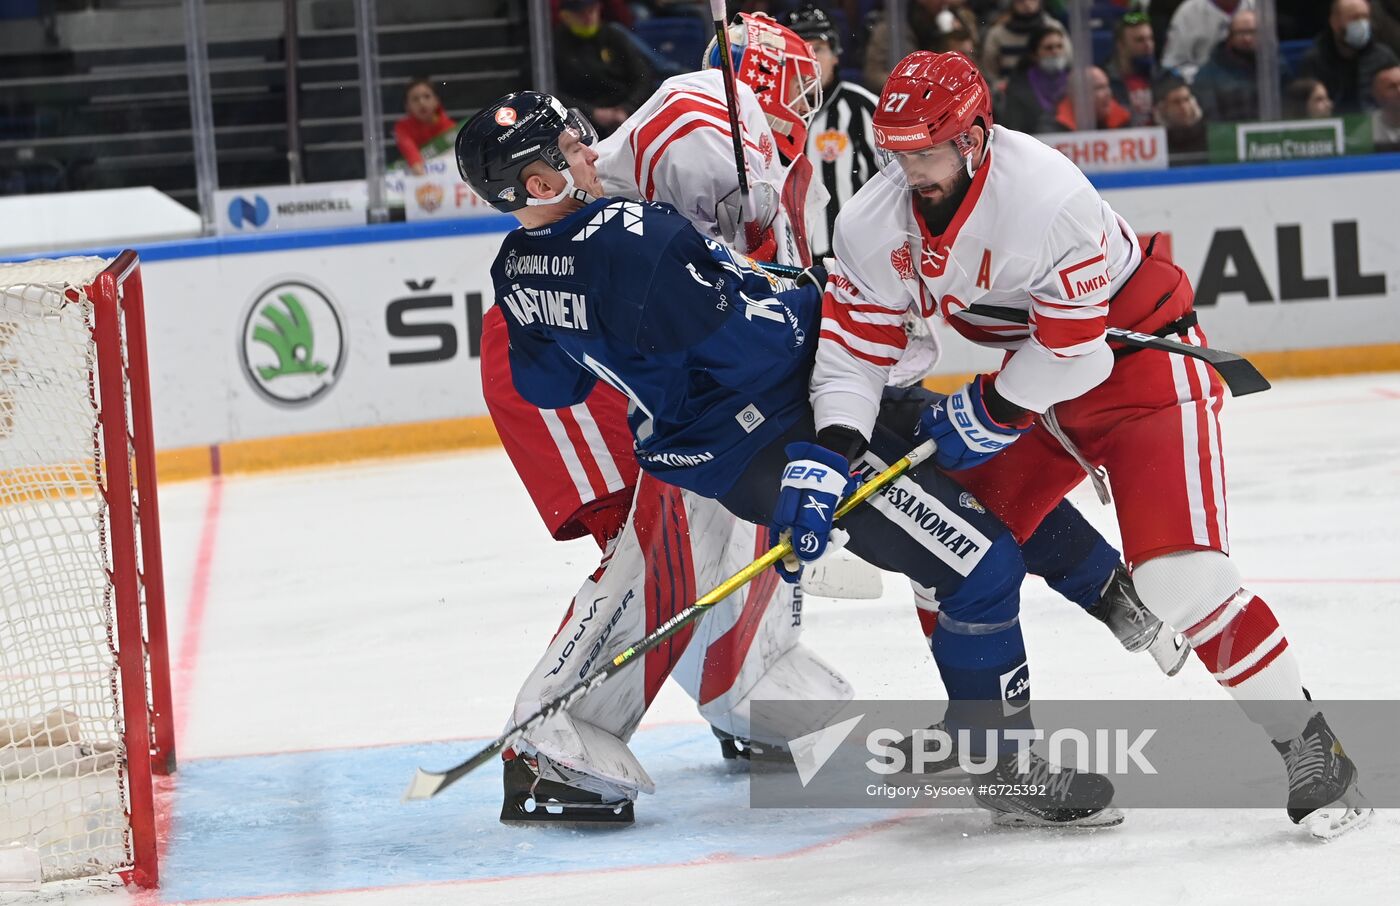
{"x":715,"y":356}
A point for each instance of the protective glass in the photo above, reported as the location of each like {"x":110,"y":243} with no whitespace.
{"x":920,"y":169}
{"x":576,"y":124}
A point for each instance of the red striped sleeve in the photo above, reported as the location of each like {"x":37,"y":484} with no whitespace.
{"x":701,"y":109}
{"x":883,"y":361}
{"x":888,"y":331}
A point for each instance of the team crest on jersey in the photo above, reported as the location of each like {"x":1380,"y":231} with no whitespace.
{"x":831,"y":144}
{"x":968,"y":502}
{"x":765,"y":147}
{"x":903,"y":262}
{"x":933,"y":262}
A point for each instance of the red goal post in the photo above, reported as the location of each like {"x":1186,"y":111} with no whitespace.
{"x":85,"y":703}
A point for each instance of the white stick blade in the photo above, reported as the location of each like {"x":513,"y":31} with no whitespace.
{"x":423,"y":786}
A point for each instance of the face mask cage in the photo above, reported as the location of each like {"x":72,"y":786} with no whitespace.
{"x":804,"y":88}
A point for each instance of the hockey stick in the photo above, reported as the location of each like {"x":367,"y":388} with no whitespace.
{"x":427,"y":784}
{"x":731,"y":100}
{"x":1238,"y":373}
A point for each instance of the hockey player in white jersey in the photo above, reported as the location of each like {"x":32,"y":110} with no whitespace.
{"x":969,"y":221}
{"x":678,"y":147}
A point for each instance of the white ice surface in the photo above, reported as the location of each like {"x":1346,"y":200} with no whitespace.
{"x":403,"y":601}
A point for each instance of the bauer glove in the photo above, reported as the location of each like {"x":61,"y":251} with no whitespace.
{"x":965,"y":431}
{"x":813,"y":484}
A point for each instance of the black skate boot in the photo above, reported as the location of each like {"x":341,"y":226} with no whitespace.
{"x":533,"y":799}
{"x":1040,"y":797}
{"x":1137,"y":628}
{"x":1322,"y":793}
{"x":946,"y":760}
{"x":737,"y":747}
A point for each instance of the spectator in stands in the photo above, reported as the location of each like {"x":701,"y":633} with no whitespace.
{"x":1008,"y":38}
{"x":929,"y":25}
{"x":841,"y":139}
{"x":1108,"y":113}
{"x":960,"y":40}
{"x":423,"y":120}
{"x":1227,"y":86}
{"x":1385,"y":22}
{"x":1198,"y":27}
{"x":1346,"y":57}
{"x":618,"y":11}
{"x":599,"y":68}
{"x":1306,"y":99}
{"x":1133,"y":67}
{"x":1038,"y":84}
{"x":1178,"y":112}
{"x":1385,"y":121}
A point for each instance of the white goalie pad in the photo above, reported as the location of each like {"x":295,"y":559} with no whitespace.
{"x":798,"y":674}
{"x":842,"y":575}
{"x":685,"y":546}
{"x":595,"y":759}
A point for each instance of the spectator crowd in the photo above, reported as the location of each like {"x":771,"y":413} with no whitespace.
{"x":1179,"y":64}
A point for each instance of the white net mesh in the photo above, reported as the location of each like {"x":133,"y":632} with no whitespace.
{"x":62,"y":783}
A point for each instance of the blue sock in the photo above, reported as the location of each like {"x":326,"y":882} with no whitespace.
{"x":984,"y":669}
{"x":1070,"y":555}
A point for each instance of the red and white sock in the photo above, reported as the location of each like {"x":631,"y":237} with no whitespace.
{"x":1244,"y":648}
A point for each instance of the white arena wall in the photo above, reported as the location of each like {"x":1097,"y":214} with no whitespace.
{"x":1286,"y":268}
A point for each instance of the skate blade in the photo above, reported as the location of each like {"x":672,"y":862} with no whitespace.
{"x":1108,"y":817}
{"x":1170,"y":651}
{"x":1347,"y":814}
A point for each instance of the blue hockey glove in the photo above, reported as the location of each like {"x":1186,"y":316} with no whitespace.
{"x":813,"y":484}
{"x":965,"y":432}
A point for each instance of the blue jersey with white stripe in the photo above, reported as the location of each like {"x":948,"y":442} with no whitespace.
{"x":714,"y":354}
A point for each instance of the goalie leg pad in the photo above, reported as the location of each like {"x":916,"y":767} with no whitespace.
{"x":594,"y":759}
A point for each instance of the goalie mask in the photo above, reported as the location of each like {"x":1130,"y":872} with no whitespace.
{"x":500,"y":141}
{"x":778,"y":65}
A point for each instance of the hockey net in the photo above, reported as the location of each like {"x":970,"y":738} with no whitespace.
{"x":85,"y":713}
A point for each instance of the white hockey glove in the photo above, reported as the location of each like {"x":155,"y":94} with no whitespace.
{"x":729,"y":213}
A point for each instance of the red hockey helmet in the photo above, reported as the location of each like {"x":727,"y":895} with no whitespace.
{"x":778,"y":65}
{"x":931,"y":98}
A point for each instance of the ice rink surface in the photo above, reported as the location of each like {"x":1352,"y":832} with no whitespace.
{"x":334,"y":628}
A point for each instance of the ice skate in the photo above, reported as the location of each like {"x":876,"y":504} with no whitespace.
{"x":538,"y":791}
{"x":737,"y":747}
{"x":1322,"y":791}
{"x":945,"y":762}
{"x":1044,"y":797}
{"x":1136,"y":628}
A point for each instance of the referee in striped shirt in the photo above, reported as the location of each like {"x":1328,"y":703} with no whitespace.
{"x":840,"y":143}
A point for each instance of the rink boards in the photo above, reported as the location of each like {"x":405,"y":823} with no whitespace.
{"x":1296,"y":263}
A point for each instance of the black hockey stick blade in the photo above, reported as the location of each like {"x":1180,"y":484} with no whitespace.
{"x":1238,"y":372}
